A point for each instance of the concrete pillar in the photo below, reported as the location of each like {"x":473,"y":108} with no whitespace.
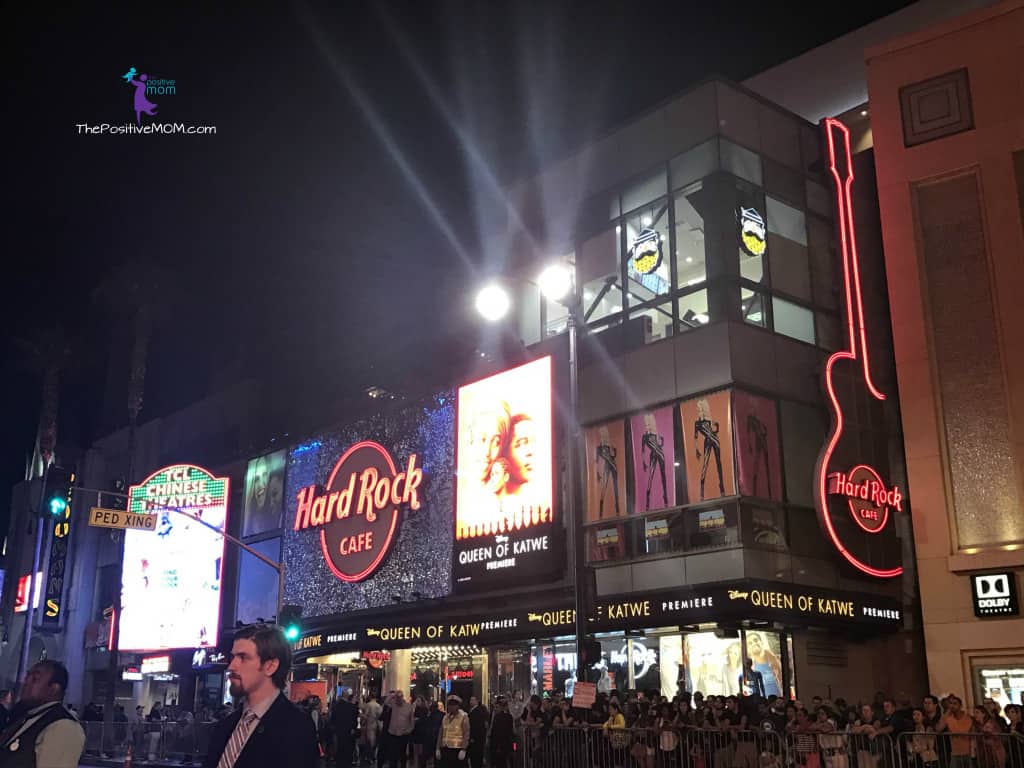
{"x":397,"y":671}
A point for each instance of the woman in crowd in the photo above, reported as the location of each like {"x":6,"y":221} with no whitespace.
{"x":991,"y":752}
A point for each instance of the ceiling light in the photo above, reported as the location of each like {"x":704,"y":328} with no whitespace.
{"x":689,"y":259}
{"x":863,"y":113}
{"x":700,"y":317}
{"x":646,"y":221}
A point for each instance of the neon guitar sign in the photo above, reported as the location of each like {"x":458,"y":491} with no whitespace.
{"x":858,"y":491}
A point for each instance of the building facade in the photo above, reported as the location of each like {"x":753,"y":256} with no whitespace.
{"x":948,"y":131}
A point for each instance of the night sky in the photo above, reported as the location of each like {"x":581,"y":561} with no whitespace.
{"x":331,"y":228}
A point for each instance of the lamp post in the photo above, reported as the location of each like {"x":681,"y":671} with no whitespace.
{"x":557,"y":283}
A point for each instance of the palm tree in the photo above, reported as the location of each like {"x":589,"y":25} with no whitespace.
{"x":136,"y":289}
{"x":46,"y":353}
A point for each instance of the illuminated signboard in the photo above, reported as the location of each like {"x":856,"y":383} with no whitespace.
{"x":369,"y":509}
{"x":55,"y":570}
{"x":504,"y":531}
{"x":752,"y":231}
{"x":853,"y":500}
{"x":172,"y":578}
{"x":646,"y":252}
{"x":750,"y":599}
{"x":376,"y":659}
{"x":21,"y":596}
{"x":994,"y":594}
{"x":359,"y":509}
{"x":154,"y":664}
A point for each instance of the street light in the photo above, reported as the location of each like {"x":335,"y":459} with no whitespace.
{"x":556,"y":282}
{"x":493,"y":302}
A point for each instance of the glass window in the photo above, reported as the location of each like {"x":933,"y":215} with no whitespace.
{"x":644,"y":191}
{"x":693,"y":310}
{"x":712,"y":528}
{"x":790,"y":268}
{"x":647,"y":241}
{"x":741,"y":162}
{"x":556,"y":318}
{"x":528,"y":308}
{"x":598,"y":261}
{"x":752,"y":307}
{"x":792,"y":320}
{"x":659,"y":323}
{"x":764,"y":527}
{"x":606,"y":543}
{"x":818,"y":198}
{"x":786,"y":221}
{"x":784,"y":182}
{"x":694,"y":164}
{"x":803,"y":429}
{"x":827,"y":327}
{"x":689,"y":243}
{"x":823,"y":260}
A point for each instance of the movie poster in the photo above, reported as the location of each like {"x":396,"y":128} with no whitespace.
{"x":714,"y":664}
{"x":505,"y":452}
{"x":765,"y":650}
{"x":653,"y":460}
{"x":707,"y":447}
{"x":606,"y":480}
{"x":756,"y":429}
{"x":504,"y":515}
{"x":264,"y":494}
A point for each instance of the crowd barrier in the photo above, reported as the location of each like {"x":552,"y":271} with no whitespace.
{"x":168,"y":742}
{"x":599,"y":747}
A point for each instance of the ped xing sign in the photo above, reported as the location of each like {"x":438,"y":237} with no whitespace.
{"x":119,"y":518}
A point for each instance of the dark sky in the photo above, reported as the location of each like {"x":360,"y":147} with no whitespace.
{"x":332,"y":223}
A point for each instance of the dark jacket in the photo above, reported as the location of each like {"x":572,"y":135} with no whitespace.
{"x":345,"y":719}
{"x":478,"y":726}
{"x":284,"y":738}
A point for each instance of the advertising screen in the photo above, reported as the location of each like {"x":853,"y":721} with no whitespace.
{"x":344,"y":551}
{"x":170,"y":591}
{"x":257,"y":583}
{"x":264,"y":494}
{"x":504,"y":490}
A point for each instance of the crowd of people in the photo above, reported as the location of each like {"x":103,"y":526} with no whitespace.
{"x":644,"y":729}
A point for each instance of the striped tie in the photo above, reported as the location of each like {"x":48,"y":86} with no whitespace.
{"x":237,"y":740}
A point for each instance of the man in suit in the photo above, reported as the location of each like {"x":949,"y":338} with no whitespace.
{"x":345,"y":721}
{"x":478,"y":720}
{"x":267,"y":730}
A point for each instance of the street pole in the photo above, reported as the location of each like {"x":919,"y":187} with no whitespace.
{"x":574,"y":521}
{"x":30,"y":611}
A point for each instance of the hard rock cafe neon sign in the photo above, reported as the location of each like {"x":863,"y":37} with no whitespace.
{"x":869,"y":500}
{"x":359,"y":508}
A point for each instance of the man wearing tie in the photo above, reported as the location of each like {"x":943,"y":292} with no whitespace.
{"x":267,"y":730}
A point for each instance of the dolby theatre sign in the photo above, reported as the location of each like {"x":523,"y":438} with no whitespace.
{"x":358,"y":511}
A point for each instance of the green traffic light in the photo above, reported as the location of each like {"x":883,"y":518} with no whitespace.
{"x":57,"y":506}
{"x":291,"y":632}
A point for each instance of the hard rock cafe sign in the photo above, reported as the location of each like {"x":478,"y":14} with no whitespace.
{"x":859,"y":492}
{"x":359,"y":508}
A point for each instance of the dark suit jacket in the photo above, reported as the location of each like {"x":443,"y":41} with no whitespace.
{"x":284,"y":738}
{"x":345,"y":719}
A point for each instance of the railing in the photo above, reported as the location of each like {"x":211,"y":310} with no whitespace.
{"x":179,"y":742}
{"x":599,"y":747}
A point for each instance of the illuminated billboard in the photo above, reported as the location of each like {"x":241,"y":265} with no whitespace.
{"x":368,"y":511}
{"x":264,"y":494}
{"x":504,"y":485}
{"x":170,"y":590}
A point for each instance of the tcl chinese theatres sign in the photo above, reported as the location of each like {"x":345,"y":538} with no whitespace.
{"x":358,"y":511}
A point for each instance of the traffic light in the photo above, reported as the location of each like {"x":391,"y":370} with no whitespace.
{"x":59,"y":483}
{"x":289,"y":621}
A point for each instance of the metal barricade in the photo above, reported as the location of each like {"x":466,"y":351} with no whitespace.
{"x":601,"y":747}
{"x":976,"y":749}
{"x":840,"y":749}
